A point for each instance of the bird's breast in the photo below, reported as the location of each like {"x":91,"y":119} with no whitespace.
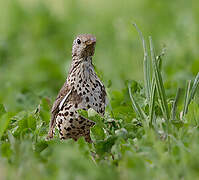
{"x":87,"y":84}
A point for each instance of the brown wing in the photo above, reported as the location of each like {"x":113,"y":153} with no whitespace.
{"x":104,"y":98}
{"x":55,"y":108}
{"x":104,"y":94}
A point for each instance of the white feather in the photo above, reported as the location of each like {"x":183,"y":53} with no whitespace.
{"x":64,"y":99}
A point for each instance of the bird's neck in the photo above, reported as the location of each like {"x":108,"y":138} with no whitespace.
{"x":80,"y":63}
{"x":76,"y":59}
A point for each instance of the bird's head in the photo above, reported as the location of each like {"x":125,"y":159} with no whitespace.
{"x":83,"y":46}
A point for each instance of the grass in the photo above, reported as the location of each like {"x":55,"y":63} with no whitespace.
{"x":150,"y":129}
{"x":120,"y":149}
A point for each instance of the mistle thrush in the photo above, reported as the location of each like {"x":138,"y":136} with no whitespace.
{"x":82,"y":90}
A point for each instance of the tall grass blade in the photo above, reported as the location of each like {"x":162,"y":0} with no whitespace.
{"x":146,"y":66}
{"x":153,"y":95}
{"x":190,"y":93}
{"x":159,"y":83}
{"x":194,"y":88}
{"x":139,"y":112}
{"x":187,"y":95}
{"x":152,"y":103}
{"x":175,"y":103}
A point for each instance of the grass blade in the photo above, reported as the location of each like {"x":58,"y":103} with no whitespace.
{"x":153,"y":95}
{"x":190,"y":93}
{"x":152,"y":103}
{"x":159,"y":83}
{"x":186,"y":100}
{"x":194,"y":88}
{"x":135,"y":106}
{"x":175,"y":103}
{"x":146,"y":66}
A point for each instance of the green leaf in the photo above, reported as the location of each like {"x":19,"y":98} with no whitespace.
{"x":103,"y":147}
{"x":22,"y":122}
{"x":83,"y":113}
{"x":40,"y":146}
{"x":92,"y":115}
{"x":4,"y":121}
{"x":31,"y":122}
{"x":97,"y":132}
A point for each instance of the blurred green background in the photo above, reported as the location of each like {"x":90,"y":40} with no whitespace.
{"x":36,"y":39}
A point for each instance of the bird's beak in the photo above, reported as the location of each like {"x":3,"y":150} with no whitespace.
{"x":91,"y":41}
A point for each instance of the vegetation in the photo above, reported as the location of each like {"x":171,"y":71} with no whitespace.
{"x":151,"y":126}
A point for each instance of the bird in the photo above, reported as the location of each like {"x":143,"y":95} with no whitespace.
{"x":82,"y":90}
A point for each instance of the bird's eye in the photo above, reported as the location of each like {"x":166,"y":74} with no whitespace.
{"x":78,"y":41}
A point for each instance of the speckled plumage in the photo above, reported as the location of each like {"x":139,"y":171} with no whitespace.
{"x":82,"y":90}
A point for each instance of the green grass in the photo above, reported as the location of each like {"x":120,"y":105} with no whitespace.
{"x":151,"y":126}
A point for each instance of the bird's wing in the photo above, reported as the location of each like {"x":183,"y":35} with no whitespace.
{"x":63,"y":95}
{"x":106,"y":100}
